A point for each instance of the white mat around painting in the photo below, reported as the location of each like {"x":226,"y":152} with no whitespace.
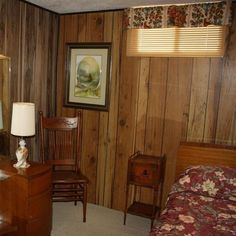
{"x":101,"y":221}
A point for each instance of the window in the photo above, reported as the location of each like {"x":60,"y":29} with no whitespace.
{"x":177,"y":42}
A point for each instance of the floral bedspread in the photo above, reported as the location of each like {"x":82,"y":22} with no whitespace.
{"x":202,"y":202}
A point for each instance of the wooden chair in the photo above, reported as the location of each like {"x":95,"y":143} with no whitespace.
{"x":60,"y":146}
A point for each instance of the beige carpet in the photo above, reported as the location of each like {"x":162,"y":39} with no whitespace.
{"x":101,"y":221}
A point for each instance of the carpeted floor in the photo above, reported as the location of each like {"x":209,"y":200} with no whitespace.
{"x":101,"y":221}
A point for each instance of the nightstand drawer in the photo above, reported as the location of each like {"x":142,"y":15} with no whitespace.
{"x":144,"y":174}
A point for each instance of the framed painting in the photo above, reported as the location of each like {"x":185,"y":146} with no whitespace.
{"x":88,"y":75}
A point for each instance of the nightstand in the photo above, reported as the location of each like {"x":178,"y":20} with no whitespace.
{"x":145,"y":171}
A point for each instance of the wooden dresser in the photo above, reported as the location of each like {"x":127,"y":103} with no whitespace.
{"x":25,"y":199}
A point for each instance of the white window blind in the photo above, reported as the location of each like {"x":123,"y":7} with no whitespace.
{"x":177,"y":42}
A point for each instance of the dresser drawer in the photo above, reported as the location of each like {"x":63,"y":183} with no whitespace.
{"x":144,"y":174}
{"x":40,"y":206}
{"x":40,"y":184}
{"x":39,"y":226}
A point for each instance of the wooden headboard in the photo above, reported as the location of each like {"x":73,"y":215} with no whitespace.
{"x":190,"y":154}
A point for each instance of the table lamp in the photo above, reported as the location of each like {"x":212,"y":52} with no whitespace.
{"x":22,"y":125}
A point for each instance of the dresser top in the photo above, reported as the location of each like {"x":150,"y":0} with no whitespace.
{"x":6,"y":167}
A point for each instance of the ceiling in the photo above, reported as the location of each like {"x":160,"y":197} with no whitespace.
{"x":72,"y":6}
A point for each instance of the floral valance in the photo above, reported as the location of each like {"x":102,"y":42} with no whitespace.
{"x":192,"y":15}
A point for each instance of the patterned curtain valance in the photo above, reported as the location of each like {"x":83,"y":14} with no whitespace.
{"x":192,"y":15}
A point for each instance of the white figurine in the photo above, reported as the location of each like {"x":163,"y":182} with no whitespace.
{"x":21,"y":155}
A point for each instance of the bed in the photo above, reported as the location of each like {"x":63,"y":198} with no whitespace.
{"x":202,"y":201}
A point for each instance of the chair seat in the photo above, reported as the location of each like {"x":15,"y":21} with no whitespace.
{"x":63,"y":176}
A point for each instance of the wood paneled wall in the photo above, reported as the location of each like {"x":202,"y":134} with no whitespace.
{"x":29,"y":35}
{"x":155,"y":103}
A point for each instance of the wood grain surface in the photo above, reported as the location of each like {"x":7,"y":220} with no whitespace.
{"x":29,"y":38}
{"x":192,"y":154}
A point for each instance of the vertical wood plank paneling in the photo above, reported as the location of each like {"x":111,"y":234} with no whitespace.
{"x":52,"y":63}
{"x":103,"y":123}
{"x":40,"y":57}
{"x":94,"y":33}
{"x":60,"y":66}
{"x":142,"y":104}
{"x":82,"y":18}
{"x":26,"y":32}
{"x":41,"y":65}
{"x":71,"y":30}
{"x":126,"y":123}
{"x":70,"y":36}
{"x":156,"y":105}
{"x":227,"y":107}
{"x":198,"y":102}
{"x":155,"y":112}
{"x":22,"y":51}
{"x":5,"y":94}
{"x":140,"y":134}
{"x":12,"y":48}
{"x":13,"y":37}
{"x":113,"y":110}
{"x":188,"y":72}
{"x":30,"y":39}
{"x":213,"y":100}
{"x":89,"y":150}
{"x":177,"y":97}
{"x":226,"y":115}
{"x":102,"y":157}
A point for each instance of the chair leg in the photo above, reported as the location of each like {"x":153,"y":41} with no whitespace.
{"x":75,"y":186}
{"x":85,"y":202}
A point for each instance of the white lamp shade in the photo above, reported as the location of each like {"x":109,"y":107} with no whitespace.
{"x":23,"y":119}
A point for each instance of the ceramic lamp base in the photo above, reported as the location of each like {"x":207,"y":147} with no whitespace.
{"x":21,"y":155}
{"x":21,"y":165}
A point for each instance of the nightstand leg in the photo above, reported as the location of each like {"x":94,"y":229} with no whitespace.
{"x":126,"y":203}
{"x":155,"y":193}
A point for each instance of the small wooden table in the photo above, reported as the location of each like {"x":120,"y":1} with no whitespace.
{"x":25,"y":199}
{"x":145,"y":171}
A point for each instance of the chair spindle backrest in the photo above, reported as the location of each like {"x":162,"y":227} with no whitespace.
{"x":60,"y":140}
